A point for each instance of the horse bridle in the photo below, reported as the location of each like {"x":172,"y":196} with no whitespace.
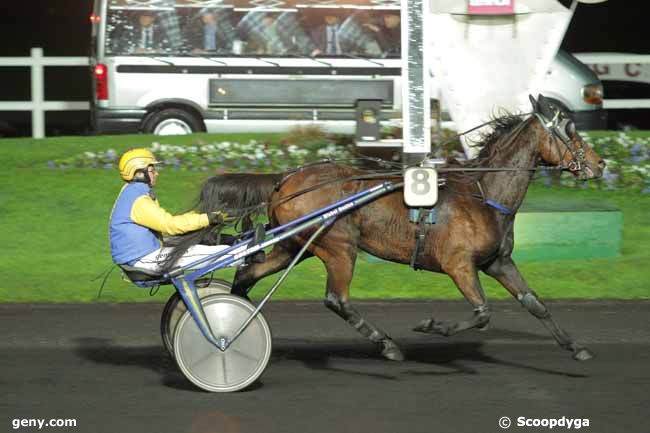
{"x":562,"y":128}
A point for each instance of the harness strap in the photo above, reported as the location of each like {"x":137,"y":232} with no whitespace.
{"x":420,"y":235}
{"x":498,"y":206}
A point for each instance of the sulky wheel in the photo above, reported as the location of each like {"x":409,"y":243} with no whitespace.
{"x":240,"y":364}
{"x":175,"y":307}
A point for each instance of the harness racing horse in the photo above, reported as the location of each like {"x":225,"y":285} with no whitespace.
{"x":473,"y":231}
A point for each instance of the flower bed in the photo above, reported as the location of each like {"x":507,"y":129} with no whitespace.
{"x":627,"y":158}
{"x":224,"y":156}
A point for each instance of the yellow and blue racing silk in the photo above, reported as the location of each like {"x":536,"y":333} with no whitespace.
{"x":138,"y":221}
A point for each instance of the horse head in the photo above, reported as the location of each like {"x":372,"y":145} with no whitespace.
{"x":564,"y":146}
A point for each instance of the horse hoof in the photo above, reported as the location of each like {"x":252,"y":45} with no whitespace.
{"x":583,"y":355}
{"x":484,"y":327}
{"x":392,"y":352}
{"x":430,"y":326}
{"x":425,"y":326}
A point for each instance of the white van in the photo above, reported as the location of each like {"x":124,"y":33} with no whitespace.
{"x":182,"y":66}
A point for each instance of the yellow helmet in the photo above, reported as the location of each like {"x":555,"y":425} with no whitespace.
{"x":134,"y":160}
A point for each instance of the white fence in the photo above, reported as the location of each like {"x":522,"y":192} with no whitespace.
{"x":38,"y":105}
{"x":608,"y":66}
{"x":620,"y":67}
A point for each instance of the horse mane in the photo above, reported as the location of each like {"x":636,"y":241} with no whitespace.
{"x":492,"y":144}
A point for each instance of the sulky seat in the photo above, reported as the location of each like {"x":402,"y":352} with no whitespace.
{"x":140,"y":275}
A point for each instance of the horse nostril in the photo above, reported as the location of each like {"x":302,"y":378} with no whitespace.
{"x":601,"y":164}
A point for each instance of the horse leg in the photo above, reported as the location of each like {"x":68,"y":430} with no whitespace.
{"x":246,"y":277}
{"x":505,"y":272}
{"x":466,"y":278}
{"x":339,"y":275}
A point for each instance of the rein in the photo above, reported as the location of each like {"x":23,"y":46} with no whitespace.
{"x":550,"y":126}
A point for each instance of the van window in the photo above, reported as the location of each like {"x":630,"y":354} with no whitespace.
{"x":185,"y":28}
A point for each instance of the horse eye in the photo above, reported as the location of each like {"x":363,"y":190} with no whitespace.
{"x":570,"y":129}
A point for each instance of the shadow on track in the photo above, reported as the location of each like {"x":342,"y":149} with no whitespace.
{"x":103,"y":351}
{"x":324,"y":356}
{"x":319,"y":356}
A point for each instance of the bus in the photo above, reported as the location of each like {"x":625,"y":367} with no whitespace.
{"x":184,"y":66}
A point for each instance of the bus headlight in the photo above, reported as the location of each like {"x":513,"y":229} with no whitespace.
{"x":593,"y":94}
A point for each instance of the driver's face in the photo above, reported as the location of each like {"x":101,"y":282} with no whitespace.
{"x":153,"y":174}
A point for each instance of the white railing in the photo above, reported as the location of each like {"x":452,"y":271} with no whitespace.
{"x":38,"y":105}
{"x":620,"y":67}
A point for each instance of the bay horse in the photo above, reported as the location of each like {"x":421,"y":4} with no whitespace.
{"x":473,"y":230}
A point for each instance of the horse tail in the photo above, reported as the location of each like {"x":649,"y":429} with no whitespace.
{"x":240,"y":195}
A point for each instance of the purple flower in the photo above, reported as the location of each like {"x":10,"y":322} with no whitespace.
{"x":51,"y":164}
{"x":609,"y":176}
{"x":637,"y":149}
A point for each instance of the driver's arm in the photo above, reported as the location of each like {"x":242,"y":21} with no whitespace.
{"x":147,"y":212}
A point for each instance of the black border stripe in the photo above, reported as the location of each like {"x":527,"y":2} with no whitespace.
{"x":257,"y":70}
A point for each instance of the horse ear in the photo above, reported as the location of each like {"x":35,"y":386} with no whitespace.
{"x":545,"y":107}
{"x":534,"y":103}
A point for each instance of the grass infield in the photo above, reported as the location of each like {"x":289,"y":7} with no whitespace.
{"x":54,"y":226}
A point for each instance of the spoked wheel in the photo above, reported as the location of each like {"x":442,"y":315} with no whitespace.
{"x":240,"y":364}
{"x":175,"y":307}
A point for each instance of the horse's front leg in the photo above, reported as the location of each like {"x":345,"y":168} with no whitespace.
{"x":463,"y":272}
{"x":505,"y":272}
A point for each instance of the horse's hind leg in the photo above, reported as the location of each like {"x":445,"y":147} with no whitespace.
{"x":465,"y":276}
{"x":339,"y":276}
{"x":505,"y":272}
{"x":278,"y":259}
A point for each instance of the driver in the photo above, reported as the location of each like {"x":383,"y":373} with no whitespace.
{"x":138,"y":223}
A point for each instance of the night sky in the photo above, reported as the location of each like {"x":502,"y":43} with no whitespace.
{"x":62,"y":28}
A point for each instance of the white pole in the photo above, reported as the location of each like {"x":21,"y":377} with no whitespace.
{"x":38,"y":115}
{"x":416,"y":112}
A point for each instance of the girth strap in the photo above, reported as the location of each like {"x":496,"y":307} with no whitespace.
{"x":420,"y":235}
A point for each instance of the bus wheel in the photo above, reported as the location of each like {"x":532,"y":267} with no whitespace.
{"x":171,"y":121}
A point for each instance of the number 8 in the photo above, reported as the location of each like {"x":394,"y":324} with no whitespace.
{"x":420,"y":185}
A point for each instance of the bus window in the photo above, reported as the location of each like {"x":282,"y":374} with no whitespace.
{"x":210,"y":30}
{"x":181,"y":27}
{"x":142,"y":32}
{"x":261,"y":33}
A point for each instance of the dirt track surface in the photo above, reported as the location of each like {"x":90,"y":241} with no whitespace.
{"x":104,"y":365}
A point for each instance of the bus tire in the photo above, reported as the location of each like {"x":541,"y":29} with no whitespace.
{"x":172,"y":121}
